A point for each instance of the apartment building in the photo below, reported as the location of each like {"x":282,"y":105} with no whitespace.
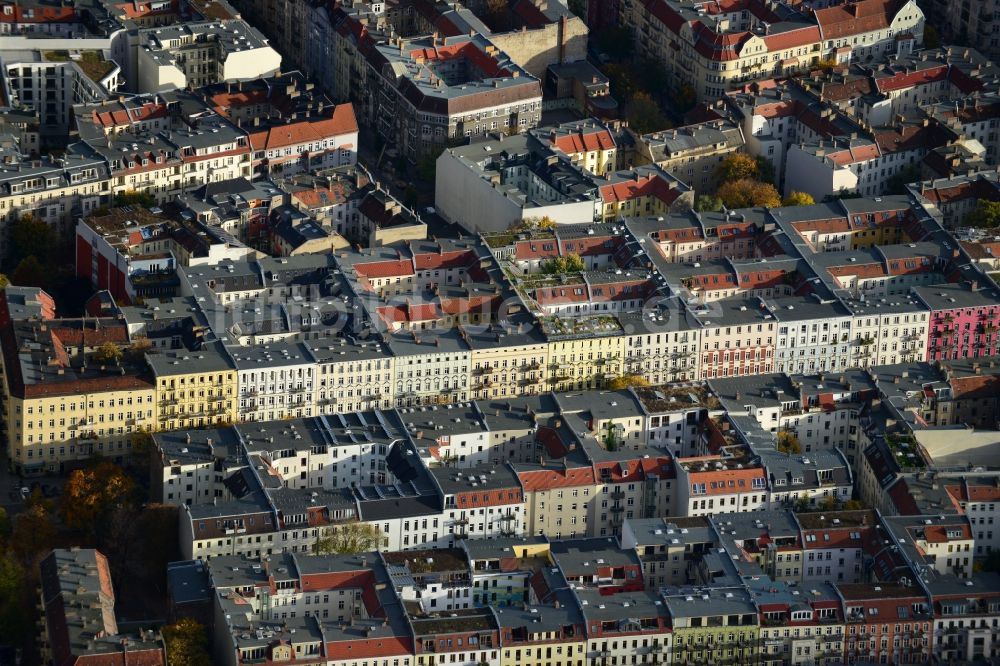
{"x":693,"y":153}
{"x":161,"y":144}
{"x":50,"y":83}
{"x":275,"y":381}
{"x":713,"y":50}
{"x":64,"y":400}
{"x":199,"y":54}
{"x":963,"y":320}
{"x":55,"y":191}
{"x":77,"y":603}
{"x":194,"y":388}
{"x":130,"y":252}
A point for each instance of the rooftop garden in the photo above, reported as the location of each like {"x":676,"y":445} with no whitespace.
{"x":92,"y":63}
{"x":905,"y":451}
{"x":578,"y":326}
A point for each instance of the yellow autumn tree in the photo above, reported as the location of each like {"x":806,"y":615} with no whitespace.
{"x":798,"y":199}
{"x":747,"y":192}
{"x":626,"y":381}
{"x":91,"y":495}
{"x":737,"y":167}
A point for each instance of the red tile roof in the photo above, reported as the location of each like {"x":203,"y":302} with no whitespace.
{"x":547,"y":479}
{"x":855,"y":18}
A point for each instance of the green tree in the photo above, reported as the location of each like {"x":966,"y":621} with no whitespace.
{"x":788,"y":442}
{"x":135,"y":198}
{"x":765,"y":170}
{"x":985,"y":215}
{"x":708,"y":203}
{"x":737,"y":166}
{"x":615,"y":42}
{"x":14,"y":621}
{"x":798,"y":199}
{"x":348,"y":538}
{"x":747,"y":192}
{"x":569,"y":263}
{"x":644,"y":114}
{"x":186,"y":642}
{"x":897,"y":184}
{"x":427,"y":167}
{"x":932,"y":38}
{"x":30,"y":237}
{"x":29,"y":272}
{"x":108,"y":354}
{"x":626,"y":381}
{"x":91,"y":494}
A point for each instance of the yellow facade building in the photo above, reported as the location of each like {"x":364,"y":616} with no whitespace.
{"x":67,"y":395}
{"x":194,"y":388}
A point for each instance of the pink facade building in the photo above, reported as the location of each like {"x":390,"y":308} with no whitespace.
{"x":964,"y":320}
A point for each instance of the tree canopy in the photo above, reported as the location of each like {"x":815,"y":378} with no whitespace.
{"x":644,"y":114}
{"x":186,"y":642}
{"x":349,"y":538}
{"x":30,"y":237}
{"x":737,"y":167}
{"x":985,"y":215}
{"x":708,"y":203}
{"x":92,"y":494}
{"x":798,"y":199}
{"x":108,"y":353}
{"x":626,"y":381}
{"x":788,"y":442}
{"x":746,"y":192}
{"x":569,"y":263}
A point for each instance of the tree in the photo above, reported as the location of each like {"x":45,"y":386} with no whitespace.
{"x":569,"y":263}
{"x":645,"y":115}
{"x":932,"y":39}
{"x":708,"y":203}
{"x":616,"y":42}
{"x":348,"y":538}
{"x":427,"y":167}
{"x":788,"y":442}
{"x":798,"y":199}
{"x":897,"y":184}
{"x":137,"y":351}
{"x":626,"y":381}
{"x":186,"y":642}
{"x":4,"y":281}
{"x":14,"y":622}
{"x":765,"y":170}
{"x":546,"y":223}
{"x":985,"y":215}
{"x":91,"y":495}
{"x":108,"y":354}
{"x":31,"y":238}
{"x":30,"y":273}
{"x":737,"y":167}
{"x":854,"y":505}
{"x":135,"y":198}
{"x":33,"y":533}
{"x":826,"y":65}
{"x":747,"y":192}
{"x":683,"y":98}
